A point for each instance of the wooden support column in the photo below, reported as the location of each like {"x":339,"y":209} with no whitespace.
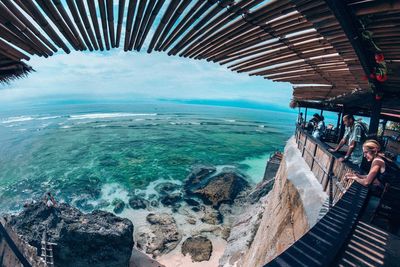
{"x":305,"y":116}
{"x":376,"y":105}
{"x":339,"y":115}
{"x":342,"y":126}
{"x":384,"y":122}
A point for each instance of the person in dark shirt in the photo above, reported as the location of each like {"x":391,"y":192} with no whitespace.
{"x":381,"y":170}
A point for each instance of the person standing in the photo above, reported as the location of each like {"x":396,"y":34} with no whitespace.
{"x":319,"y":129}
{"x":300,"y":119}
{"x":354,"y":137}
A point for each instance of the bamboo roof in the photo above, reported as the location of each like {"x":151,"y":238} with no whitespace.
{"x":304,"y":42}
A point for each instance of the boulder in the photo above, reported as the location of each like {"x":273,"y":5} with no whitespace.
{"x":222,"y":188}
{"x":137,"y":202}
{"x":119,"y":205}
{"x":197,"y":175}
{"x":211,"y":217}
{"x":166,"y":188}
{"x":162,"y":237}
{"x":199,"y":248}
{"x":260,"y":190}
{"x":192,"y":202}
{"x":171,"y":200}
{"x":95,"y":239}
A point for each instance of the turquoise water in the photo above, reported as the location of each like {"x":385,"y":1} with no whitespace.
{"x":74,"y":150}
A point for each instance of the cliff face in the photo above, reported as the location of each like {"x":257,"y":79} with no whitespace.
{"x":287,"y":212}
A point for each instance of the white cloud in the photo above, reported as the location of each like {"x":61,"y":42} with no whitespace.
{"x":116,"y":74}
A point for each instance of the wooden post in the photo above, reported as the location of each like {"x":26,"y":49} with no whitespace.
{"x":338,"y":120}
{"x":384,"y":122}
{"x":313,"y":157}
{"x":305,"y":115}
{"x":342,"y":127}
{"x":330,"y":179}
{"x":376,"y":106}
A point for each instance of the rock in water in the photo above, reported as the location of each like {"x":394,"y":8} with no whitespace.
{"x":98,"y":239}
{"x":222,"y":188}
{"x":171,"y":200}
{"x":199,"y":248}
{"x":137,"y":202}
{"x":119,"y":205}
{"x":162,"y":237}
{"x":166,"y":188}
{"x":198,"y":175}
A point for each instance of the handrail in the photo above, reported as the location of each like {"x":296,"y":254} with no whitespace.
{"x":323,"y":242}
{"x":14,"y":247}
{"x":327,"y":169}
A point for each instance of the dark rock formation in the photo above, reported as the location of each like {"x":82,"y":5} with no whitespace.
{"x":192,"y":202}
{"x":119,"y":205}
{"x":260,"y":190}
{"x":163,"y":236}
{"x":137,"y":202}
{"x":272,"y":166}
{"x":222,"y":188}
{"x":199,"y":248}
{"x":166,"y":188}
{"x":96,"y":239}
{"x":198,"y":175}
{"x":171,"y":200}
{"x":212,"y":217}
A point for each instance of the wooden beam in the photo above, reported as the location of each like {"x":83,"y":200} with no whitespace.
{"x":164,"y":20}
{"x":88,"y":27}
{"x":41,"y":20}
{"x":138,"y":20}
{"x":129,"y":22}
{"x":121,"y":7}
{"x":153,"y":16}
{"x":110,"y":18}
{"x":93,"y":16}
{"x":68,"y":21}
{"x":78,"y":22}
{"x":103,"y":16}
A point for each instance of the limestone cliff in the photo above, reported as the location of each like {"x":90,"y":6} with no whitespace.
{"x":280,"y":218}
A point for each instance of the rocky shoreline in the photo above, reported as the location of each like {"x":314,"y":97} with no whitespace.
{"x":190,"y":220}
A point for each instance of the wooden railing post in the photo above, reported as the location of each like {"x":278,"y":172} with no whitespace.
{"x":330,"y":179}
{"x":304,"y":146}
{"x":313,"y":157}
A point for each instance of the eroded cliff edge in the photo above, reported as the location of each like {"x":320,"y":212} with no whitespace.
{"x":268,"y":227}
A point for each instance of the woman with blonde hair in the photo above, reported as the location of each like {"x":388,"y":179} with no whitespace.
{"x":379,"y":171}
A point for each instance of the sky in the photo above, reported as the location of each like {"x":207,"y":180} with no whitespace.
{"x":137,"y":75}
{"x":118,"y":75}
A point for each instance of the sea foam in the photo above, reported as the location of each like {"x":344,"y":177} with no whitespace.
{"x":108,"y":115}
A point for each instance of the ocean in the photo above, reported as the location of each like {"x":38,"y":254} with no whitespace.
{"x":79,"y":151}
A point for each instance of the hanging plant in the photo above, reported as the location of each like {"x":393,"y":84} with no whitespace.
{"x":293,"y":104}
{"x":379,"y":58}
{"x":379,"y":71}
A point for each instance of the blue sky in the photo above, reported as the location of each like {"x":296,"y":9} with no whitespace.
{"x":123,"y":75}
{"x":118,"y":75}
